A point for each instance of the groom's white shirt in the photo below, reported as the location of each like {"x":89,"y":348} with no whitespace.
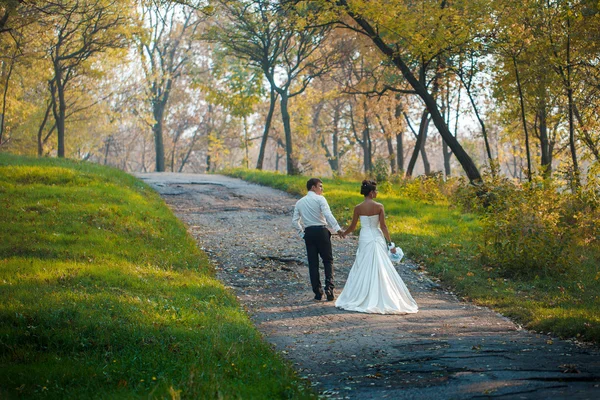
{"x":313,"y":210}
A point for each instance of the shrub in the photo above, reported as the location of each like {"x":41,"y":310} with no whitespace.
{"x":380,"y":170}
{"x":429,"y":189}
{"x":532,"y":229}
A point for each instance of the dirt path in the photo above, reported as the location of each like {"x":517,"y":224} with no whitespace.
{"x":449,"y":350}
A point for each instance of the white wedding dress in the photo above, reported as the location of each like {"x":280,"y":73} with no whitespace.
{"x":373,"y":285}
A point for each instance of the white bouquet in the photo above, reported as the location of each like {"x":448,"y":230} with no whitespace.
{"x":398,"y":255}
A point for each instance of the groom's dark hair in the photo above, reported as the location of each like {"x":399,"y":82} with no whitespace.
{"x":312,"y":182}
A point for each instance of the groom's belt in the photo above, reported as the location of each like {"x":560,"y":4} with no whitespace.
{"x":316,"y":227}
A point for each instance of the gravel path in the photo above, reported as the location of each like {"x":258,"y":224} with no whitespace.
{"x":449,"y":350}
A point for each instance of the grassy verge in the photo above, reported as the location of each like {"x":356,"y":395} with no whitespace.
{"x":104,"y":295}
{"x":447,"y":242}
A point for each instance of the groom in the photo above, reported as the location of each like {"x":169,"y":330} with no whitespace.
{"x":311,"y":218}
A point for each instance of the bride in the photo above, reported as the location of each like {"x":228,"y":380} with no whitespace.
{"x":373,"y":285}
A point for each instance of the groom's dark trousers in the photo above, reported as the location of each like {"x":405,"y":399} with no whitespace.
{"x":318,"y":243}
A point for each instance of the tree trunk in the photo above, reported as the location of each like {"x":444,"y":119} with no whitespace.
{"x":157,"y":130}
{"x":59,"y":114}
{"x":40,"y":141}
{"x":587,"y":138}
{"x":399,"y":140}
{"x":107,"y":150}
{"x":335,"y":162}
{"x":546,"y":158}
{"x":391,"y":155}
{"x":447,"y":156}
{"x":366,"y":141}
{"x":333,"y":155}
{"x":8,"y":74}
{"x":390,"y":146}
{"x":173,"y":151}
{"x":419,"y":145}
{"x":285,"y":115}
{"x":400,"y":152}
{"x":463,"y":158}
{"x":246,"y":144}
{"x":572,"y":147}
{"x":488,"y":149}
{"x":263,"y":142}
{"x":523,"y":119}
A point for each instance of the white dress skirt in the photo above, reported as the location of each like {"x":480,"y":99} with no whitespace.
{"x":373,"y":285}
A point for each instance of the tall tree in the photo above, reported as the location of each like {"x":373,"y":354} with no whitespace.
{"x":381,"y":23}
{"x":165,"y":46}
{"x":81,"y":30}
{"x":286,"y":48}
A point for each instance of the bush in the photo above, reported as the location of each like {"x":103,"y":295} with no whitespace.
{"x":429,"y":189}
{"x":380,"y":170}
{"x":533,"y":229}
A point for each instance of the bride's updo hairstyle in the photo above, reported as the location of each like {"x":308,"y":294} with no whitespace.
{"x":367,"y":187}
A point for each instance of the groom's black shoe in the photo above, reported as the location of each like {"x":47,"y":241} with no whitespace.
{"x":318,"y":297}
{"x":330,"y":296}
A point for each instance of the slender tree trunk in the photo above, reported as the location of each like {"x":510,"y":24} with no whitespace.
{"x":423,"y":132}
{"x":40,"y":142}
{"x":447,"y":155}
{"x":546,"y":158}
{"x":8,"y":74}
{"x":335,"y":165}
{"x":59,"y":109}
{"x":285,"y":115}
{"x":107,"y":149}
{"x":515,"y":173}
{"x":576,"y":182}
{"x":157,"y":130}
{"x":144,"y":168}
{"x":366,"y":141}
{"x":488,"y":149}
{"x":333,"y":155}
{"x":523,"y":119}
{"x":390,"y":145}
{"x":278,"y":157}
{"x":419,"y":145}
{"x":263,"y":142}
{"x":399,"y":140}
{"x":173,"y":151}
{"x":466,"y":162}
{"x":400,"y":152}
{"x":185,"y":158}
{"x":587,"y":137}
{"x":391,"y":154}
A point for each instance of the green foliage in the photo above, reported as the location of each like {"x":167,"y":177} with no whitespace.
{"x":105,"y":295}
{"x":380,"y":170}
{"x":536,"y":228}
{"x":430,"y":189}
{"x":562,"y":297}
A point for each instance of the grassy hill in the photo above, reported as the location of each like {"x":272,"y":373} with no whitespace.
{"x":104,"y":295}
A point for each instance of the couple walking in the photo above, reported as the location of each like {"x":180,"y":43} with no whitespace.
{"x":373,"y":285}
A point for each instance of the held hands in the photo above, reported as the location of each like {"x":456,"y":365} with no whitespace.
{"x":392,"y":247}
{"x":341,"y":234}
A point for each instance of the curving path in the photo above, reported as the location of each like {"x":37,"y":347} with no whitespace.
{"x":449,"y":350}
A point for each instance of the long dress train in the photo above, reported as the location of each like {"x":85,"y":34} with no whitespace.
{"x":373,"y":285}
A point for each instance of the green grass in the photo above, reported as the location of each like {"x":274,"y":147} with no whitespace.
{"x":446,"y":242}
{"x":105,"y":295}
